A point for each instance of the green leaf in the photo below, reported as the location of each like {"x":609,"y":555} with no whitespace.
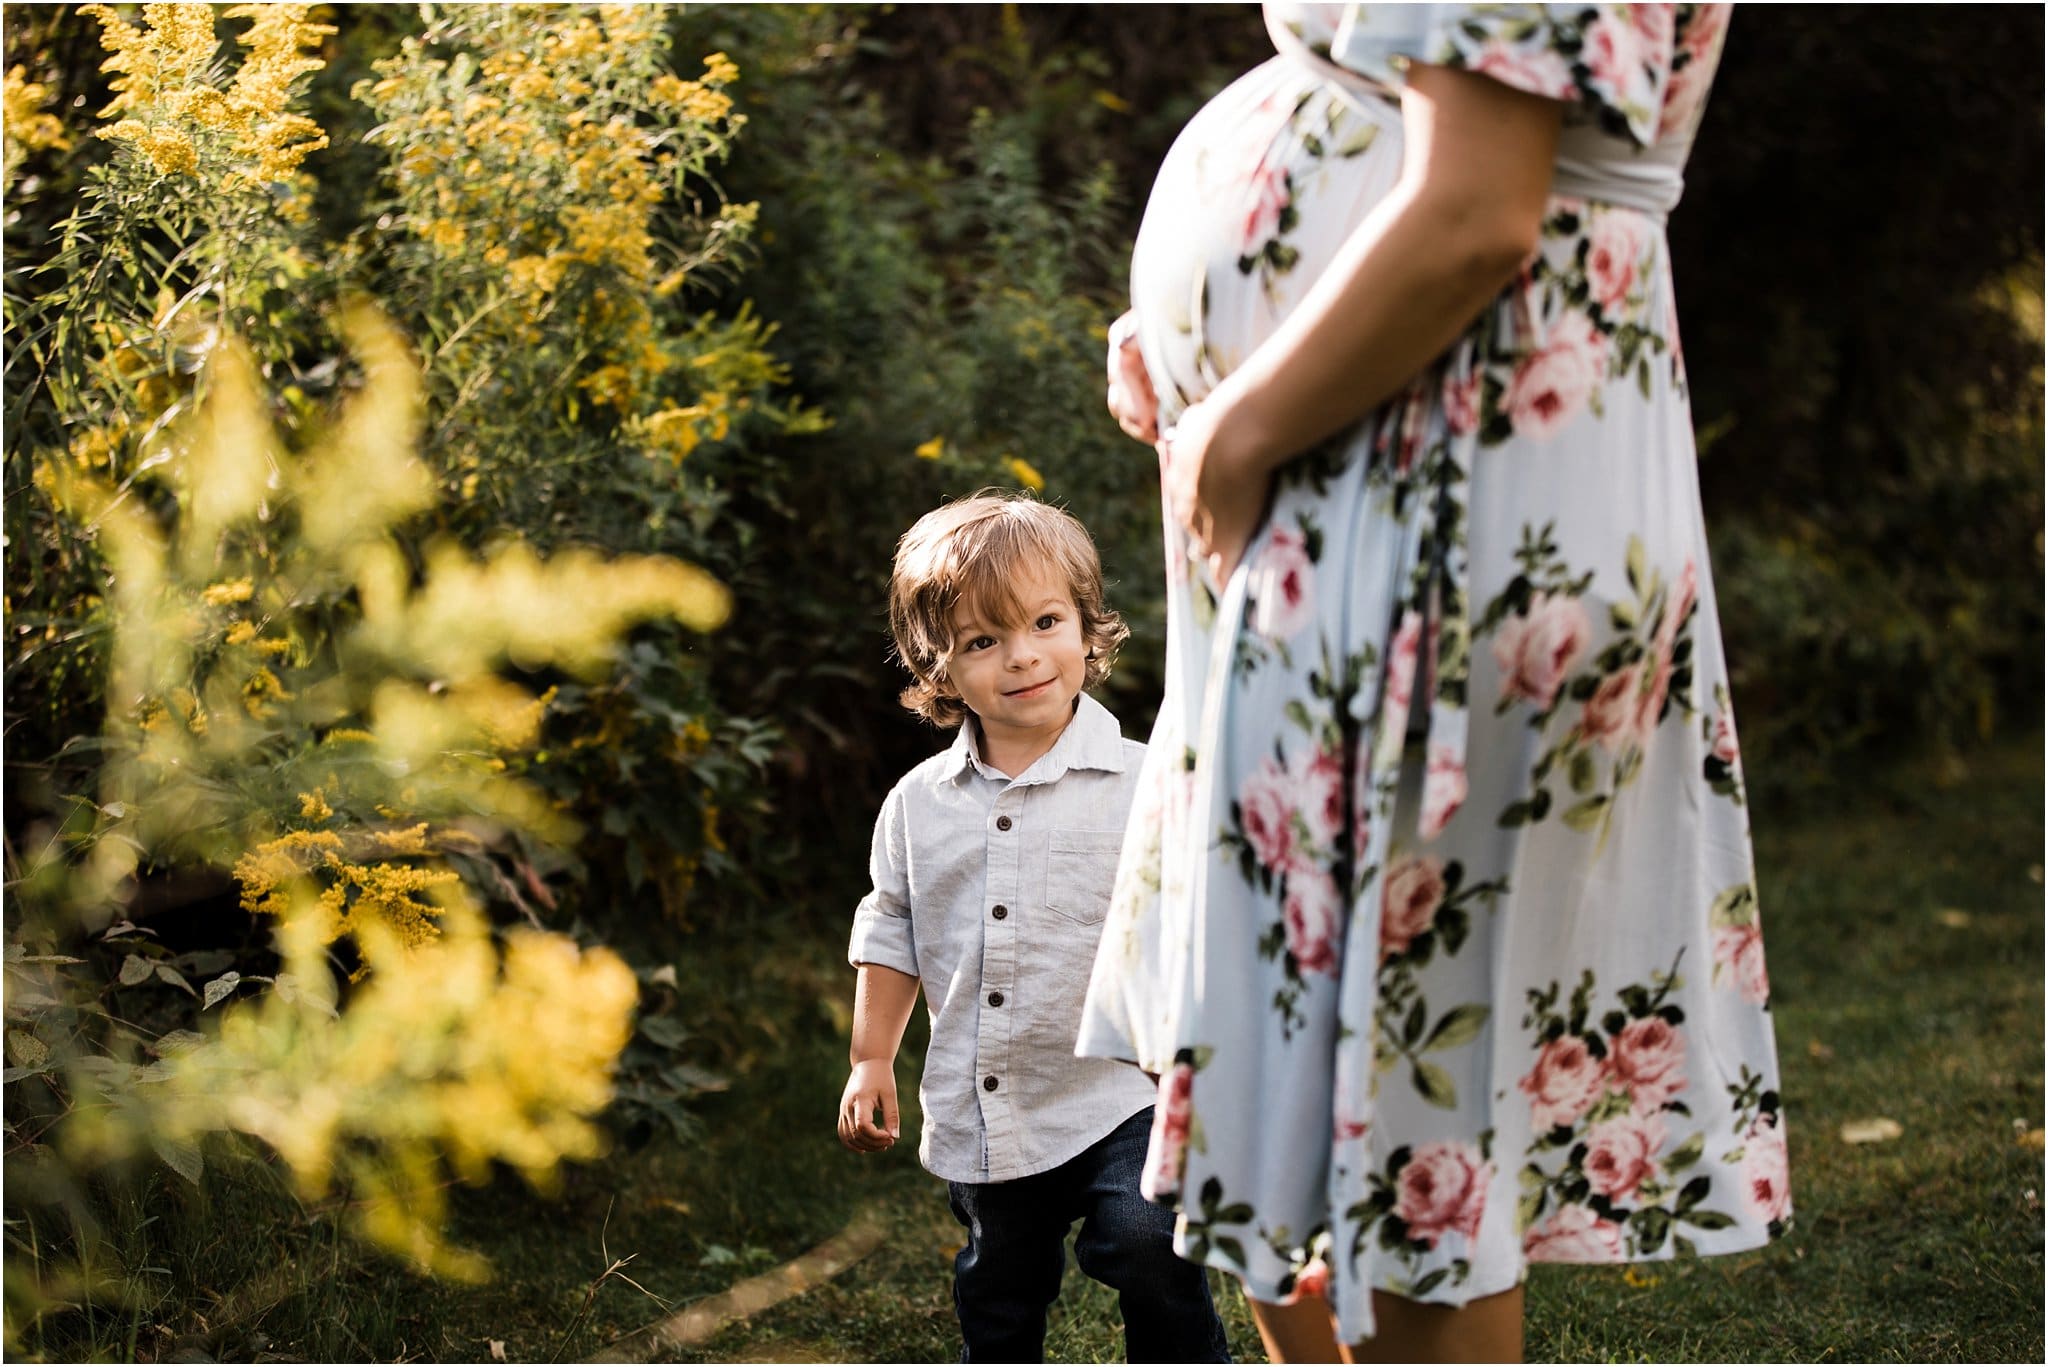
{"x":1231,"y":1249}
{"x":1707,"y":1219}
{"x":1582,"y":772}
{"x":666,"y":1031}
{"x":1638,"y":573}
{"x":1435,"y":1085}
{"x":135,"y":969}
{"x":1686,"y":1154}
{"x":174,"y":978}
{"x":1458,"y":1026}
{"x":181,"y":1156}
{"x":1411,"y":1029}
{"x":1584,"y":816}
{"x":219,"y":990}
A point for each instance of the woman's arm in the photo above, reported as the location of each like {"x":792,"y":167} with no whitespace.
{"x":1465,"y":215}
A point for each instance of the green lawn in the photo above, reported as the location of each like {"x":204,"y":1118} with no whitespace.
{"x":1905,"y":935}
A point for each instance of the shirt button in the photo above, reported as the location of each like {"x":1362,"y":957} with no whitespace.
{"x":1000,"y":912}
{"x":995,"y":999}
{"x":1002,"y":823}
{"x":989,"y":1083}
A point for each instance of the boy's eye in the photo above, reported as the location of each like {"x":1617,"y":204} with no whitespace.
{"x":981,"y":643}
{"x":1048,"y":621}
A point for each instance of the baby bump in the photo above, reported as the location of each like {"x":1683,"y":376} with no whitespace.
{"x":1257,"y":195}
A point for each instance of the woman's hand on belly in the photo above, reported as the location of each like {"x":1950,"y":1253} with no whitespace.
{"x":1132,"y":401}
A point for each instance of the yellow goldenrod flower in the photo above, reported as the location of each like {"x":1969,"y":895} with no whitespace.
{"x":230,"y":592}
{"x":932,"y":450}
{"x":1024,"y":473}
{"x":29,"y":126}
{"x":313,"y":806}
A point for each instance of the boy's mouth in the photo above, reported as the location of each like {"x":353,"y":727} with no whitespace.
{"x":1033,"y":691}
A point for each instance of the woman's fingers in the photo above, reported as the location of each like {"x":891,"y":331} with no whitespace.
{"x":1132,"y":401}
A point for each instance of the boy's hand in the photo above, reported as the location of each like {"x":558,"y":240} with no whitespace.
{"x":872,"y":1084}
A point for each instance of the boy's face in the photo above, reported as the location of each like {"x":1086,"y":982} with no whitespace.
{"x":1021,"y":681}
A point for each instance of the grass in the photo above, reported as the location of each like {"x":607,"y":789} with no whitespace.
{"x":1905,"y":934}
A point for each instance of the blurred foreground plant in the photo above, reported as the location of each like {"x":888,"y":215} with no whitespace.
{"x":292,"y":697}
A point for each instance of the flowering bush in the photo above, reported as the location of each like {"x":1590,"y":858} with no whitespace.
{"x":311,"y":602}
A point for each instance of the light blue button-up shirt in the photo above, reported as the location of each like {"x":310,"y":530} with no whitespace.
{"x":991,"y":891}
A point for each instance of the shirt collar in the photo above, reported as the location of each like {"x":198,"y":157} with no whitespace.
{"x":1092,"y":740}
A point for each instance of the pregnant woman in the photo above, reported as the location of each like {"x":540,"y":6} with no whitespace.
{"x":1437,"y":915}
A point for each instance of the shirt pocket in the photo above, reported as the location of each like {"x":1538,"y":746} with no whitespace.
{"x":1080,"y":871}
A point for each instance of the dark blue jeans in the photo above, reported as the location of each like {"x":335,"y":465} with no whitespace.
{"x":1009,"y":1271}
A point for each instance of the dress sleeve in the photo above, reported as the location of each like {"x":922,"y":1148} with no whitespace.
{"x":1611,"y":63}
{"x":882,"y":931}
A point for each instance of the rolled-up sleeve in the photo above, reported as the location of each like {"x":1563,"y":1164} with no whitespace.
{"x":882,"y":932}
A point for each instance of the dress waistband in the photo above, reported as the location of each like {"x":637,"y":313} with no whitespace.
{"x":1587,"y":168}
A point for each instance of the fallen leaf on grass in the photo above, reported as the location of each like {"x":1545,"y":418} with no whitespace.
{"x":1954,"y":918}
{"x":2034,"y":872}
{"x":1820,"y":1053}
{"x":1873,"y":1131}
{"x":497,"y":1349}
{"x":1636,"y":1277}
{"x":2030,"y":1140}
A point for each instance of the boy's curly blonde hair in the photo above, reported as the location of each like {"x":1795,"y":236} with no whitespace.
{"x":977,"y":549}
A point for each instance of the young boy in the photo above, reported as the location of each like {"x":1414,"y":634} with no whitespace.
{"x":992,"y":866}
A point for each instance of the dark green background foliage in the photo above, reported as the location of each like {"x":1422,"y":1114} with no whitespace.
{"x":1859,"y":264}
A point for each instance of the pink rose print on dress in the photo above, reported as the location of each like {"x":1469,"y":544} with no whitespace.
{"x":1267,"y":186}
{"x":1725,"y":746}
{"x":1539,"y":71}
{"x":1444,"y":790}
{"x":1614,"y":253}
{"x":1267,"y":810}
{"x":1647,"y":1060}
{"x":1442,"y":1190}
{"x":1739,"y":950}
{"x":1688,"y":84}
{"x":1461,"y":403}
{"x":1613,"y":52}
{"x":1401,"y":652}
{"x":1564,"y":1084}
{"x":1650,"y":700}
{"x":1320,"y":798}
{"x":1653,"y":26}
{"x":1537,"y":648}
{"x":1621,"y":1153}
{"x":1313,"y":915}
{"x":1411,"y":893}
{"x":1550,"y":387}
{"x":1609,"y":717}
{"x":1171,"y":1116}
{"x":1765,"y":1190}
{"x":1313,"y":1281}
{"x":1573,"y":1234}
{"x":1283,"y":586}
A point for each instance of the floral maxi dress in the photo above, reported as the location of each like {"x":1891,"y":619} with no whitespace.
{"x":1436,"y":914}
